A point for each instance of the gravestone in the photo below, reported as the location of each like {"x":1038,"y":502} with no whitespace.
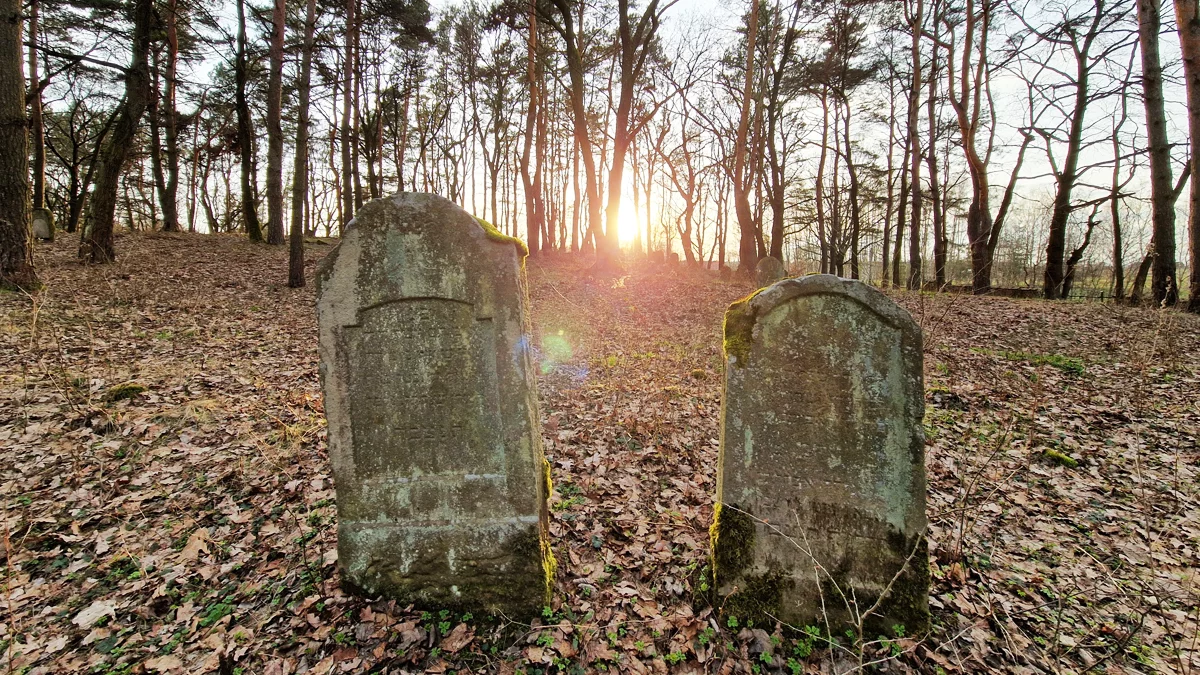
{"x":768,"y":271}
{"x":821,"y":478}
{"x":43,"y":224}
{"x":432,"y":411}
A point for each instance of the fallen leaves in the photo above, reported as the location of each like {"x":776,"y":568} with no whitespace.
{"x":94,"y":612}
{"x":190,"y":526}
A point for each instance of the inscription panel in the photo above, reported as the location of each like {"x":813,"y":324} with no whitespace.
{"x":424,"y":407}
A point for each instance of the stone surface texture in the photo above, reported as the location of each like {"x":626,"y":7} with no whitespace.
{"x":43,"y":224}
{"x":432,"y":409}
{"x":768,"y":271}
{"x":821,"y":483}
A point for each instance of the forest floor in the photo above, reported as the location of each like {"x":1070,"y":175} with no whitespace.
{"x":169,"y":507}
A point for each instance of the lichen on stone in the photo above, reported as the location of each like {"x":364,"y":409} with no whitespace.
{"x":549,"y":562}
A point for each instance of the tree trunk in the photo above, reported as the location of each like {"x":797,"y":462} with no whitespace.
{"x":819,"y":186}
{"x":16,"y":238}
{"x":245,"y":131}
{"x":274,"y":130}
{"x":347,"y":192}
{"x":156,"y":150}
{"x":170,"y":120}
{"x":580,"y":121}
{"x":1162,"y":208}
{"x":855,"y":212}
{"x":1187,"y":17}
{"x":935,"y":190}
{"x":533,"y":221}
{"x":743,"y":177}
{"x":96,"y":244}
{"x":37,"y":128}
{"x":914,"y":105}
{"x":300,"y":167}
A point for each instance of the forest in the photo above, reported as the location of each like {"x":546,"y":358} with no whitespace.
{"x":925,"y":144}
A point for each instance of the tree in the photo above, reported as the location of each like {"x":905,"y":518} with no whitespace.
{"x":274,"y":130}
{"x":915,"y":16}
{"x":634,"y":47}
{"x":16,"y":255}
{"x":96,"y":242}
{"x":565,"y":25}
{"x":1071,"y":50}
{"x":1187,"y":18}
{"x":743,"y":173}
{"x":1162,"y":204}
{"x":532,"y":180}
{"x":37,"y":127}
{"x":300,"y":168}
{"x":168,"y":184}
{"x":245,"y":131}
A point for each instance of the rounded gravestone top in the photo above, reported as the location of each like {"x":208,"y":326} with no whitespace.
{"x":43,"y":223}
{"x":768,"y":271}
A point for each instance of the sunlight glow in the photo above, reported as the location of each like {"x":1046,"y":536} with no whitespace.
{"x":627,"y":221}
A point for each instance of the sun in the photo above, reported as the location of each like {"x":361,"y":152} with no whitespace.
{"x":627,"y":222}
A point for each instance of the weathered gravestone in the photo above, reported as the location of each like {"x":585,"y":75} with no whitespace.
{"x":821,"y":483}
{"x":433,"y":426}
{"x":43,"y":224}
{"x":769,"y":270}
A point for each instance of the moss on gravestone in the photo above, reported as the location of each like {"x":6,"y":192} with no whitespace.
{"x":739,"y":329}
{"x":496,"y":235}
{"x":757,"y":596}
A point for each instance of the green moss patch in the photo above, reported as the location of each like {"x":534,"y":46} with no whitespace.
{"x":739,"y":329}
{"x":549,"y":562}
{"x":496,"y":235}
{"x":123,"y":391}
{"x":732,"y":538}
{"x":1061,"y":459}
{"x":754,"y":596}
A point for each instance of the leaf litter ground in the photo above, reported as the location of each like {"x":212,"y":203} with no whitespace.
{"x":169,"y":507}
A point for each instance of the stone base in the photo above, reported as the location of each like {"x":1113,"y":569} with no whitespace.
{"x":487,"y":567}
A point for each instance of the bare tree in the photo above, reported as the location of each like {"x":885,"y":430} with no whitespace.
{"x":1162,"y":204}
{"x":274,"y":130}
{"x":96,"y":243}
{"x":300,"y":167}
{"x":1187,"y":18}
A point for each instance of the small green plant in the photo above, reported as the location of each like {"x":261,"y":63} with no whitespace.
{"x":216,"y":613}
{"x":674,"y":657}
{"x":732,"y":622}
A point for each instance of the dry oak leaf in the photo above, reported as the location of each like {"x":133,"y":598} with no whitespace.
{"x":196,"y":544}
{"x":458,"y":638}
{"x":163,"y":664}
{"x":92,"y":614}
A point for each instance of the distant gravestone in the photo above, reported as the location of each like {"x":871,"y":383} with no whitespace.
{"x":43,"y":224}
{"x":768,"y":271}
{"x":821,"y":488}
{"x":432,"y":411}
